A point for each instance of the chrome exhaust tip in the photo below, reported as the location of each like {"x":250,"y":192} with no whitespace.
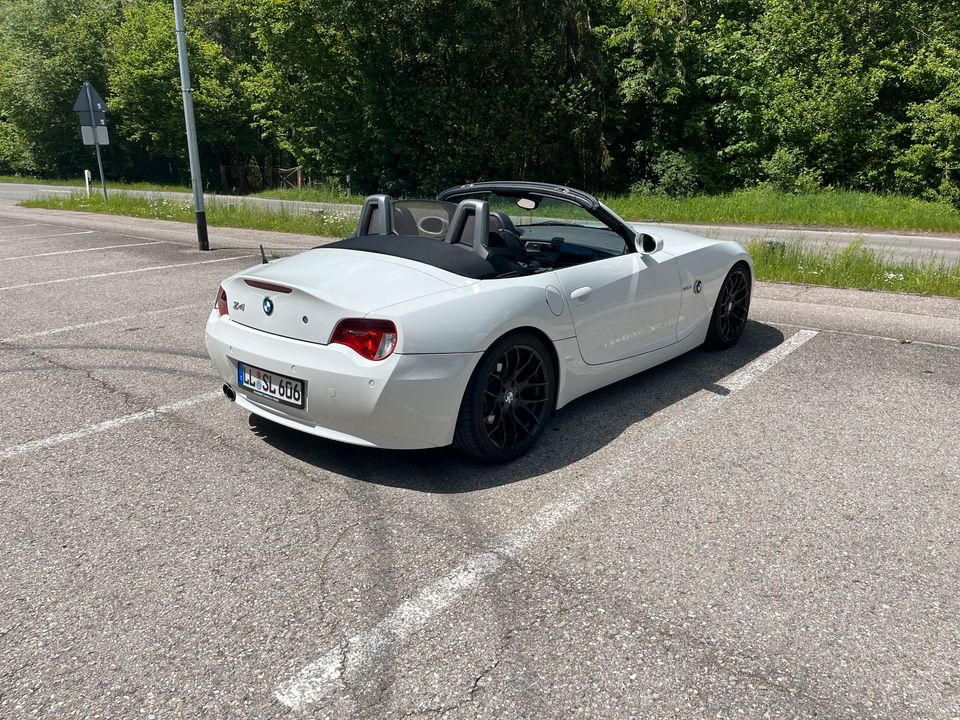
{"x":229,"y":392}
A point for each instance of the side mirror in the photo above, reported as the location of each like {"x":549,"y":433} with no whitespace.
{"x":647,"y":244}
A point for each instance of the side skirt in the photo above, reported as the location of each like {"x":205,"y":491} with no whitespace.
{"x":577,"y":378}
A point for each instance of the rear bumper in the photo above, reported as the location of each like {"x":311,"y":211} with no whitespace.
{"x":403,"y":402}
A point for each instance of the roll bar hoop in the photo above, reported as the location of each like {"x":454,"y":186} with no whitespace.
{"x":379,"y":207}
{"x":479,"y":212}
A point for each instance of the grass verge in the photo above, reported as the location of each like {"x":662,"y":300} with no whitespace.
{"x":853,"y":267}
{"x":26,"y":180}
{"x":219,"y":213}
{"x":317,"y":194}
{"x":755,"y":206}
{"x":761,"y":206}
{"x":94,"y":184}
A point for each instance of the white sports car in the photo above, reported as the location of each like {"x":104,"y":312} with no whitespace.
{"x":470,"y":318}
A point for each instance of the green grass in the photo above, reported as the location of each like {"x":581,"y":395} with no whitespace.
{"x":315,"y":194}
{"x":757,"y":206}
{"x":121,"y":186}
{"x":25,"y":180}
{"x":853,"y":267}
{"x":94,"y":184}
{"x":760,"y":206}
{"x":219,"y":214}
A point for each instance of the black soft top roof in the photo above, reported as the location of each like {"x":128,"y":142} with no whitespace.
{"x":460,"y":260}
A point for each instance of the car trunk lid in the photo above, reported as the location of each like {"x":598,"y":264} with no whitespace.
{"x":305,"y":296}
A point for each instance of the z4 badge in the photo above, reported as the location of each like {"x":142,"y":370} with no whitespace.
{"x":239,"y":305}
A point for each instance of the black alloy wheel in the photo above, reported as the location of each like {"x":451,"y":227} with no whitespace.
{"x":508,"y":400}
{"x":730,"y":313}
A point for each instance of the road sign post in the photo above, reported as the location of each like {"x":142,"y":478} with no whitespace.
{"x":96,"y":144}
{"x":92,"y":112}
{"x":188,"y":119}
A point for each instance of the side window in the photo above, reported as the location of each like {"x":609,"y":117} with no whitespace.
{"x":554,"y":232}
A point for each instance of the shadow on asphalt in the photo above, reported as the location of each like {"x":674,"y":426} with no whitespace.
{"x":575,"y":432}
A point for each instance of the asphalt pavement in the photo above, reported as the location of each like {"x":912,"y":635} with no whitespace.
{"x":766,"y":532}
{"x":895,"y":245}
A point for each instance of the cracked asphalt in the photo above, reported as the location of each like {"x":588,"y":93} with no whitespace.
{"x":785,"y":547}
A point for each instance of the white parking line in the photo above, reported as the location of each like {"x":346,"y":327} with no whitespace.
{"x":44,"y":237}
{"x":53,"y":440}
{"x":848,"y":333}
{"x":81,"y":250}
{"x":191,"y":244}
{"x":7,"y":227}
{"x":119,"y":272}
{"x":322,"y":677}
{"x":98,"y":323}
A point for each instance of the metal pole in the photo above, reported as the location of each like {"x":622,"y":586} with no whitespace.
{"x":199,"y":212}
{"x":96,"y":143}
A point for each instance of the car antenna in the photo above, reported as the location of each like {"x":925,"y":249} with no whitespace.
{"x":263,"y":255}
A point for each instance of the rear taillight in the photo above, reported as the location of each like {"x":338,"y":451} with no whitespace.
{"x":373,"y":339}
{"x":221,"y":303}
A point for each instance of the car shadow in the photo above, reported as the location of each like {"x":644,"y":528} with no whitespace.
{"x":575,"y":432}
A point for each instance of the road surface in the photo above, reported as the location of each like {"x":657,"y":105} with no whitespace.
{"x":769,"y":531}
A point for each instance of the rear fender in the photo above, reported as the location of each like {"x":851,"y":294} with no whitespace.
{"x":471,"y":319}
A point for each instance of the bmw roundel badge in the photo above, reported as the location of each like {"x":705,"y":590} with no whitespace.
{"x":268,"y":306}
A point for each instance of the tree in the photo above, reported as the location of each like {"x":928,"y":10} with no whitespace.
{"x":685,"y":76}
{"x":930,"y":164}
{"x":145,"y":87}
{"x":47,"y":49}
{"x":834,"y":85}
{"x":679,"y":96}
{"x":415,"y":96}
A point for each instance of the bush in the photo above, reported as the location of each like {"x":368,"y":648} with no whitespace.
{"x":15,"y":156}
{"x":949,"y":191}
{"x":786,"y":172}
{"x":676,"y":175}
{"x":644,"y":188}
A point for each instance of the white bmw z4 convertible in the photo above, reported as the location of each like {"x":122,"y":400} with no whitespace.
{"x":469,"y":319}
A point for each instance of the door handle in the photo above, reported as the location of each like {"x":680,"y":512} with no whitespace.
{"x":582,"y":295}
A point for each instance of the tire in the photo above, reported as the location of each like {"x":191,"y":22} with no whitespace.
{"x":730,"y":312}
{"x":508,"y":400}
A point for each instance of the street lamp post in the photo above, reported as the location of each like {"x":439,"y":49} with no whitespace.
{"x":199,"y":212}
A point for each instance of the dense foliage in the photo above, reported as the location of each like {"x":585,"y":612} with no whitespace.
{"x":661,"y":96}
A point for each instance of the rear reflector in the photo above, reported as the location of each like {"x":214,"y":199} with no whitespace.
{"x":373,"y":339}
{"x":269,"y":287}
{"x":221,"y":302}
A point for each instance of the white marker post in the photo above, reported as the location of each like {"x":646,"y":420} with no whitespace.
{"x":87,"y":176}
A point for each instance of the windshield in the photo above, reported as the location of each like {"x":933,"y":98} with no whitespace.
{"x":537,"y":217}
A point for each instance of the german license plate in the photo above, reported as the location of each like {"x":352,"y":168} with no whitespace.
{"x":281,"y":388}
